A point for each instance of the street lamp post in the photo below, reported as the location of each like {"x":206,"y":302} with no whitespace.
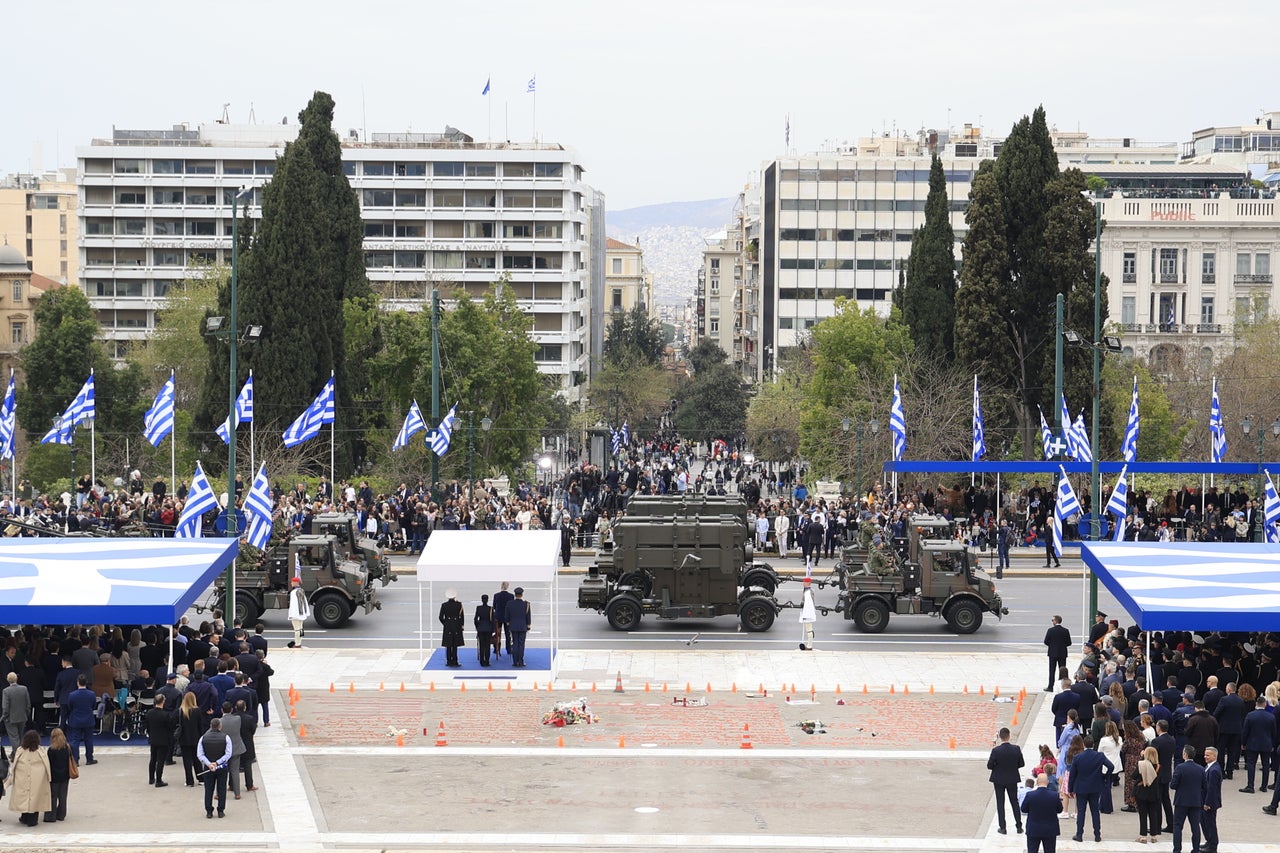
{"x":545,"y":464}
{"x":1246,"y":426}
{"x":233,"y":528}
{"x":845,"y":425}
{"x":486,"y":424}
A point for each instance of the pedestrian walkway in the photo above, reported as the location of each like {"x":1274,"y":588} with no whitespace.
{"x":669,"y":764}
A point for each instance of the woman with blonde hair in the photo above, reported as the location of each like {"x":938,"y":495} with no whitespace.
{"x":1146,"y":790}
{"x":190,"y":728}
{"x":59,"y":754}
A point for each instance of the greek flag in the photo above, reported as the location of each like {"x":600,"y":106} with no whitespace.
{"x":1046,"y":437}
{"x":258,"y":507}
{"x":443,"y":434}
{"x":157,"y":423}
{"x":615,"y":442}
{"x":1080,"y":434}
{"x":413,"y":424}
{"x":626,"y":434}
{"x":1271,"y":511}
{"x":242,"y":414}
{"x":1066,"y":506}
{"x":486,"y":85}
{"x":8,"y":421}
{"x":82,"y":408}
{"x":200,"y":500}
{"x":1118,"y":505}
{"x":1129,"y":447}
{"x":1217,"y":432}
{"x":979,"y":438}
{"x":898,"y":423}
{"x":1064,"y":421}
{"x":533,"y":84}
{"x":308,"y":424}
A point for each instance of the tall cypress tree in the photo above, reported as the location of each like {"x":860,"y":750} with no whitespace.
{"x":982,"y":337}
{"x":928,"y":299}
{"x":296,"y":274}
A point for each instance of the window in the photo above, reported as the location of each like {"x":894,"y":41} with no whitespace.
{"x":548,"y":170}
{"x":617,"y":266}
{"x":160,"y":287}
{"x":517,"y":199}
{"x":517,"y":230}
{"x":548,"y":352}
{"x":205,"y":198}
{"x":517,"y":170}
{"x":18,"y":332}
{"x":447,"y":260}
{"x":1130,"y":268}
{"x":517,"y":262}
{"x":448,"y":198}
{"x":481,"y":261}
{"x":200,"y":167}
{"x":195,"y":258}
{"x":1243,"y":263}
{"x":548,"y":261}
{"x":264,"y":167}
{"x":128,"y":167}
{"x":411,"y":170}
{"x":62,"y":223}
{"x":616,"y":304}
{"x":233,"y":167}
{"x":410,"y":229}
{"x":548,"y":230}
{"x":168,"y":258}
{"x":447,"y":230}
{"x":166,"y":227}
{"x":411,"y":198}
{"x":200,"y":228}
{"x":482,"y":170}
{"x":1262,"y":264}
{"x":44,"y":201}
{"x":481,"y":230}
{"x":1206,"y":310}
{"x":481,"y":198}
{"x":548,"y":200}
{"x":349,"y":168}
{"x":131,"y":226}
{"x":165,"y":196}
{"x":447,"y":170}
{"x":131,"y":196}
{"x":715,"y":327}
{"x":1208,"y":268}
{"x":377,"y":170}
{"x":1128,"y":310}
{"x":373,"y":260}
{"x":377,"y":198}
{"x":17,"y":291}
{"x":377,"y":229}
{"x":410,"y":260}
{"x":1168,"y":266}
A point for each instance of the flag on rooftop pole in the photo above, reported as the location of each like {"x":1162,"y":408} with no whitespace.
{"x":1064,"y":507}
{"x":1217,"y":433}
{"x":898,"y":423}
{"x":82,"y":408}
{"x":413,"y":424}
{"x":308,"y":424}
{"x":200,"y":499}
{"x":258,"y":505}
{"x":979,"y":437}
{"x":242,"y":413}
{"x":8,"y":421}
{"x":157,"y":423}
{"x":487,"y":81}
{"x":1271,"y":511}
{"x":1083,"y":449}
{"x":1118,"y":504}
{"x":1129,"y":447}
{"x":443,"y":434}
{"x":533,"y":84}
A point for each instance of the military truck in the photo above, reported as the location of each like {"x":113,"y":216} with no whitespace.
{"x":677,"y":557}
{"x":920,"y":527}
{"x":353,"y":544}
{"x":941,"y":578}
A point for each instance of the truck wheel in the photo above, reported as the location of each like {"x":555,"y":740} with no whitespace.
{"x":762,"y":578}
{"x":871,"y":615}
{"x":623,"y":613}
{"x":757,"y":614}
{"x":246,"y":609}
{"x":964,"y":617}
{"x":637,"y":581}
{"x":331,"y":610}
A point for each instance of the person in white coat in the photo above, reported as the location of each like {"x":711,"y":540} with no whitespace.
{"x":299,"y":612}
{"x":781,"y":526}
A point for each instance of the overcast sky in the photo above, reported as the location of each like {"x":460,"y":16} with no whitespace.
{"x":664,"y":101}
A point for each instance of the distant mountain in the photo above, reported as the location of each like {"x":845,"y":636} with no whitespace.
{"x":672,"y":236}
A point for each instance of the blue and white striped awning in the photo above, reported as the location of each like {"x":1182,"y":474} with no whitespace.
{"x":128,"y":581}
{"x":1194,"y":586}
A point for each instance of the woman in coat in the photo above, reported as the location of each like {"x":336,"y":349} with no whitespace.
{"x":59,"y":754}
{"x":29,"y":792}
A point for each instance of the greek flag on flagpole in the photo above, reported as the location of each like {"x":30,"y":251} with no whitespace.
{"x":1129,"y":448}
{"x":82,"y":409}
{"x":1064,"y":416}
{"x":1217,"y":433}
{"x":1118,"y":505}
{"x":1066,"y":506}
{"x":1083,"y":452}
{"x":1271,"y":511}
{"x":487,"y":81}
{"x":979,"y":439}
{"x":258,"y":505}
{"x":1046,"y":437}
{"x":8,"y":421}
{"x":200,"y":500}
{"x":444,"y":433}
{"x":157,"y":423}
{"x":533,"y":84}
{"x":413,"y":424}
{"x":242,"y":414}
{"x":626,"y":434}
{"x":308,"y":424}
{"x":615,"y":442}
{"x":898,"y":423}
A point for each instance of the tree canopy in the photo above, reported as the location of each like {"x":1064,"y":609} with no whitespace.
{"x":928,"y":299}
{"x":631,"y":337}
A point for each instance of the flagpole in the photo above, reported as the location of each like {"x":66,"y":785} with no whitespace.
{"x":489,"y":102}
{"x":252,"y":462}
{"x":173,"y":442}
{"x":333,"y":430}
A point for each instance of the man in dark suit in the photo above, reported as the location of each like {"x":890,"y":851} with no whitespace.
{"x":1230,"y":715}
{"x":519,"y":619}
{"x":501,"y":629}
{"x":1058,"y":642}
{"x":1042,"y":806}
{"x":1259,"y":740}
{"x":1062,"y":703}
{"x":1087,"y":779}
{"x":1166,"y":748}
{"x":1005,"y":761}
{"x":1212,"y":801}
{"x":1088,"y":698}
{"x":1189,"y":787}
{"x":242,"y":692}
{"x":80,"y":719}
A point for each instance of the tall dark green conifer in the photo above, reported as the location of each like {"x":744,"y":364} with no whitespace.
{"x":928,"y":300}
{"x":982,"y":337}
{"x":296,"y":274}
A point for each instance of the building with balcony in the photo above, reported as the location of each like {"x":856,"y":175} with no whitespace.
{"x":38,"y":216}
{"x":441,"y":212}
{"x":726,"y":304}
{"x":20,"y":291}
{"x":627,"y":284}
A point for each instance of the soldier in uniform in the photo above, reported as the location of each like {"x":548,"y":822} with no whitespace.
{"x":881,"y":561}
{"x":867,"y":530}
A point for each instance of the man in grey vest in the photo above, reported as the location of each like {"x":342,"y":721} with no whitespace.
{"x":214,"y":752}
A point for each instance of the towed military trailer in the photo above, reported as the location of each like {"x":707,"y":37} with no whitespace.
{"x":680,"y":557}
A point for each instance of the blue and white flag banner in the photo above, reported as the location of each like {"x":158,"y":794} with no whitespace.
{"x":320,"y":412}
{"x":258,"y":506}
{"x":979,"y":433}
{"x":1118,"y":504}
{"x":8,"y":420}
{"x":1217,"y":433}
{"x":1129,"y":447}
{"x":1064,"y":508}
{"x":413,"y":424}
{"x":200,"y":499}
{"x":157,"y":423}
{"x":241,"y":414}
{"x":443,"y":434}
{"x":898,"y":423}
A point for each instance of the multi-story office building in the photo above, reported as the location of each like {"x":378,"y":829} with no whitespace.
{"x":440,"y":211}
{"x":627,"y":284}
{"x":38,"y":216}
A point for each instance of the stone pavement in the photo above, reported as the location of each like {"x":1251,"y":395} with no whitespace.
{"x":883,"y":772}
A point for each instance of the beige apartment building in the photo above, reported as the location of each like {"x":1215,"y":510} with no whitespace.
{"x":627,"y":283}
{"x":38,"y":215}
{"x":20,"y":290}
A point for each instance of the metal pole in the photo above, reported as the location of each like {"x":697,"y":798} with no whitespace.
{"x":471,"y":450}
{"x":1260,"y":501}
{"x":1095,"y":510}
{"x":857,"y":489}
{"x":229,"y":604}
{"x":435,"y":385}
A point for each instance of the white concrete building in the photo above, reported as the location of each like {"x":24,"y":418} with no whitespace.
{"x":440,"y":211}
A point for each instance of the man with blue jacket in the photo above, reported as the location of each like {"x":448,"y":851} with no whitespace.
{"x":1041,"y":806}
{"x":1087,"y":779}
{"x":1189,"y":787}
{"x":80,"y":719}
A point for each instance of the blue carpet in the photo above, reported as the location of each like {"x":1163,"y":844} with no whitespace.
{"x":99,"y":741}
{"x":500,"y":667}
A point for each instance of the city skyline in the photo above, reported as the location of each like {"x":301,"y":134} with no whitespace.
{"x":676,"y":102}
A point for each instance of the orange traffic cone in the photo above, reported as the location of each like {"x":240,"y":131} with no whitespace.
{"x":930,"y":689}
{"x":982,"y":690}
{"x":966,"y":689}
{"x":996,"y":692}
{"x":293,"y":713}
{"x":906,"y":688}
{"x":302,"y":730}
{"x":891,"y":689}
{"x":331,"y":690}
{"x":381,"y":687}
{"x":646,"y":687}
{"x":560,"y":741}
{"x":708,"y":686}
{"x":1015,"y":719}
{"x":617,"y":685}
{"x":593,"y":687}
{"x":951,"y":743}
{"x":864,"y":688}
{"x":402,"y":687}
{"x":688,"y":688}
{"x":838,"y":689}
{"x":399,"y":740}
{"x":431,"y":686}
{"x":746,"y":737}
{"x":462,"y":686}
{"x":490,"y":686}
{"x":508,"y":686}
{"x":622,"y":743}
{"x":441,"y":739}
{"x":573,"y":685}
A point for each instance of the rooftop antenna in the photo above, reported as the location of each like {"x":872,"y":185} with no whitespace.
{"x":226,"y":115}
{"x":253,"y":119}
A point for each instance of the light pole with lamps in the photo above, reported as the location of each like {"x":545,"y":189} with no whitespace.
{"x":1246,"y":426}
{"x":486,"y":423}
{"x":545,"y":464}
{"x":845,"y":425}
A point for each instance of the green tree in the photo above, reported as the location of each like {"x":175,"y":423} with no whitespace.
{"x":773,"y":430}
{"x":1163,"y":432}
{"x":705,"y":354}
{"x":629,"y":393}
{"x":712,"y":404}
{"x":632,"y":337}
{"x":296,"y":274}
{"x":928,"y":299}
